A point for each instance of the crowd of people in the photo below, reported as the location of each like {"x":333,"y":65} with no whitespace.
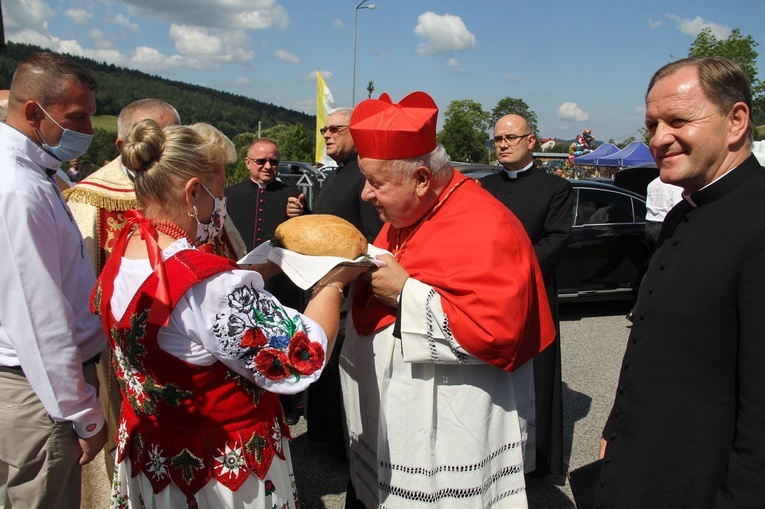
{"x":134,"y":338}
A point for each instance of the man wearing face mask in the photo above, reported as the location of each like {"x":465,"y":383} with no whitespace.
{"x":49,"y":340}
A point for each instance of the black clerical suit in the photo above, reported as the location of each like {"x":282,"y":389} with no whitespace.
{"x":256,"y":212}
{"x":340,"y":195}
{"x":688,"y":420}
{"x":544,"y":205}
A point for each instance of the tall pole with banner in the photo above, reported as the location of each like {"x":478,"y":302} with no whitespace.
{"x":324,"y":104}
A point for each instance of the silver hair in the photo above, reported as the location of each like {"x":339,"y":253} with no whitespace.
{"x":346,"y":112}
{"x":437,"y":161}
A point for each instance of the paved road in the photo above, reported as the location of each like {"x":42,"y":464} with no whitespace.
{"x":594,"y":336}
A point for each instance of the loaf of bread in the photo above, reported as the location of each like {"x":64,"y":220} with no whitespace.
{"x":321,"y":235}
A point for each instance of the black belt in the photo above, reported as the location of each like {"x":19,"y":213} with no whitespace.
{"x":92,"y":360}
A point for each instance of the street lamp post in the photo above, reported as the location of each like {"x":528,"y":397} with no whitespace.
{"x":355,"y":31}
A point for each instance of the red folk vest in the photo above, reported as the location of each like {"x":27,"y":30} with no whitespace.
{"x":180,"y":422}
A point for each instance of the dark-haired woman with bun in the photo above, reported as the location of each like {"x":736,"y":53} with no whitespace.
{"x":201,"y":351}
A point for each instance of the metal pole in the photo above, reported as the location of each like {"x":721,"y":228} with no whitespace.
{"x":355,"y":31}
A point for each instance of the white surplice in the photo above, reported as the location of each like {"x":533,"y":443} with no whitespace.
{"x":429,"y":424}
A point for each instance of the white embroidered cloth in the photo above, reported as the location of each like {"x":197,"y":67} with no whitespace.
{"x":305,"y":271}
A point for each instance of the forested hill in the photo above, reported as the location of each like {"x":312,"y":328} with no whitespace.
{"x":233,"y":114}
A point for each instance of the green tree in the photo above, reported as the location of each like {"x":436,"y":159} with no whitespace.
{"x":464,"y":135}
{"x":295,"y":145}
{"x":293,"y":142}
{"x":645,"y":135}
{"x":102,"y":148}
{"x":510,"y":106}
{"x":625,"y":142}
{"x":740,"y":49}
{"x":559,"y":148}
{"x":237,"y":172}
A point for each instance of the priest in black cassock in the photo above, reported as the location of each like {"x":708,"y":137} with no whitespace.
{"x":686,"y":426}
{"x":544,"y":205}
{"x":340,"y":195}
{"x":257,"y":206}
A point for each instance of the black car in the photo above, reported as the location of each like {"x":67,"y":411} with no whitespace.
{"x":607,"y":254}
{"x":475,"y":170}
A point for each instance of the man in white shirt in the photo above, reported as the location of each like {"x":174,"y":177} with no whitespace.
{"x":660,"y":199}
{"x":51,"y":419}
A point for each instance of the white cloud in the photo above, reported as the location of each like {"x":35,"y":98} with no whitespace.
{"x":241,"y":81}
{"x":305,"y":105}
{"x":79,"y":16}
{"x":99,"y":39}
{"x":655,"y":24}
{"x":147,"y":59}
{"x":512,"y":78}
{"x":196,"y":47}
{"x":338,"y":24}
{"x":30,"y":36}
{"x":453,"y":63}
{"x":324,"y":74}
{"x":228,"y":14}
{"x":695,"y":25}
{"x":572,"y":112}
{"x":445,"y":34}
{"x":286,"y":56}
{"x":203,"y":47}
{"x":123,"y":21}
{"x":30,"y":14}
{"x":75,"y":48}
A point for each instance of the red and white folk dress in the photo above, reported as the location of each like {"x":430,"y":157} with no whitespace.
{"x":201,"y":424}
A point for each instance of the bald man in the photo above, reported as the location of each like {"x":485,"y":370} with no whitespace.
{"x":544,"y":204}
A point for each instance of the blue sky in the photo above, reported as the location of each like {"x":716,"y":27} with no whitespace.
{"x":576,"y":64}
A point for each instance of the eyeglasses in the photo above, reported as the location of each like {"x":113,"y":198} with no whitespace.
{"x":261,"y":161}
{"x":333,"y":129}
{"x":511,"y":139}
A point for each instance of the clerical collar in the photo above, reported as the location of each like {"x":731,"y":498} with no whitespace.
{"x":514,"y":173}
{"x":259,"y":184}
{"x":723,"y":184}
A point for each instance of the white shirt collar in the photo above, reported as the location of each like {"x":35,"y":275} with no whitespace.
{"x":514,"y":173}
{"x":27,"y":146}
{"x":259,"y":184}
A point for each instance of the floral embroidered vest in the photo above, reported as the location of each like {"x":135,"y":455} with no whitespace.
{"x":180,"y":422}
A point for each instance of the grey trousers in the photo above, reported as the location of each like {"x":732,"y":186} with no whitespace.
{"x":38,"y":456}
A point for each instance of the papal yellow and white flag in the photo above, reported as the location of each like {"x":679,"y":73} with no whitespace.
{"x":324,"y":103}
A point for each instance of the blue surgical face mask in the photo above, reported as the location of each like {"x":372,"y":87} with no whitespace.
{"x":71,"y":145}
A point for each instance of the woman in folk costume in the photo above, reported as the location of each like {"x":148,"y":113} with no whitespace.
{"x":201,"y":351}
